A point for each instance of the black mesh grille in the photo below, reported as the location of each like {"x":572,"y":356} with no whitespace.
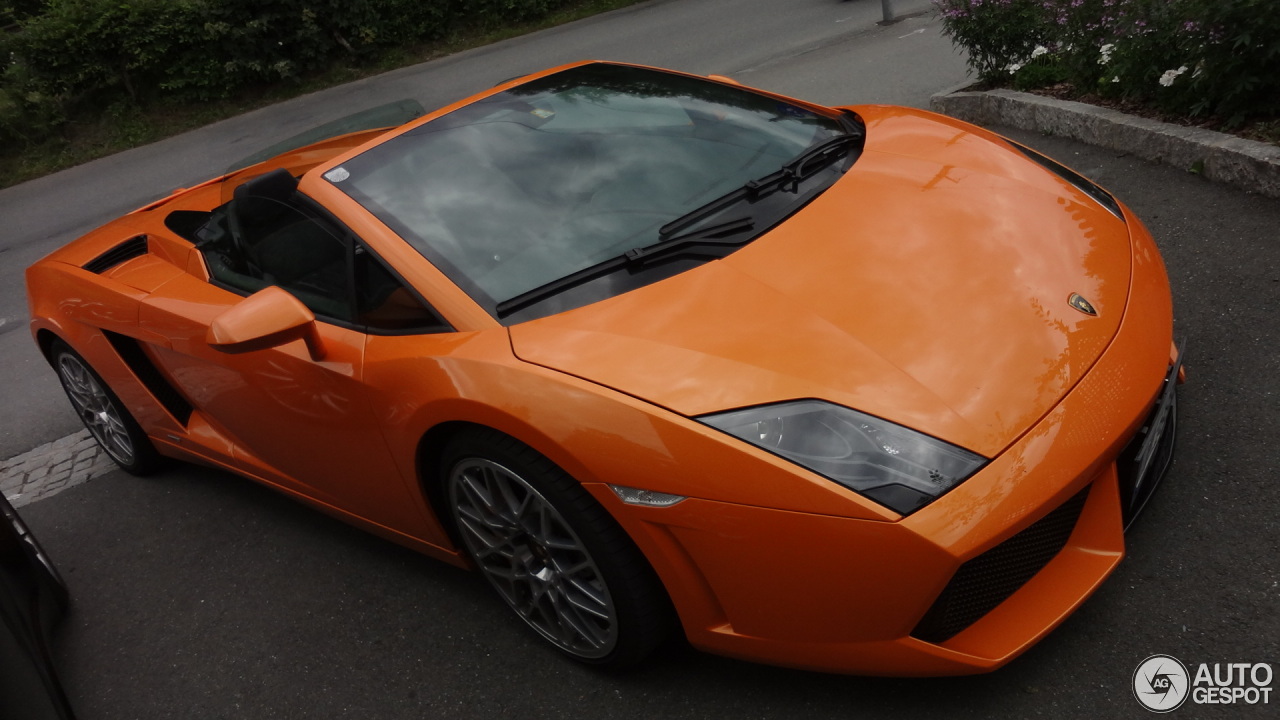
{"x":127,"y":250}
{"x":1138,"y":479}
{"x":990,"y":578}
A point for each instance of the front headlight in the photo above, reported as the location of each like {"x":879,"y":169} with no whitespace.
{"x":897,"y":467}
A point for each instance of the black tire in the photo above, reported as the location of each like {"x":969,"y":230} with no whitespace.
{"x":106,"y":418}
{"x":551,"y":552}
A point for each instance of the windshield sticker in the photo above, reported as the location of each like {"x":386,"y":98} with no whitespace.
{"x":544,"y":114}
{"x":337,"y":175}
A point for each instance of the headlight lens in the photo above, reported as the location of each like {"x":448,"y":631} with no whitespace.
{"x":897,"y":467}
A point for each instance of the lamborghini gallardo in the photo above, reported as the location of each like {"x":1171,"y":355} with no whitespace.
{"x":856,"y":389}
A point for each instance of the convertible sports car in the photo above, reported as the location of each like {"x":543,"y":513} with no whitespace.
{"x":857,"y":389}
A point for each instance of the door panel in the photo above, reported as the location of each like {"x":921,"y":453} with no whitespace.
{"x":306,"y":425}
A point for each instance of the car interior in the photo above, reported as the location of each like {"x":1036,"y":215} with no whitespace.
{"x":270,"y":234}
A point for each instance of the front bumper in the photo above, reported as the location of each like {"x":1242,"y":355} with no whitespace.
{"x":853,"y":595}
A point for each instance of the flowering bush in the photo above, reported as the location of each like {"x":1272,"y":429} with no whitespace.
{"x":1193,"y":57}
{"x":999,"y":35}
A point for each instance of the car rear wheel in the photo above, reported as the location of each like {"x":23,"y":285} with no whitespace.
{"x":103,"y":414}
{"x":552,"y":553}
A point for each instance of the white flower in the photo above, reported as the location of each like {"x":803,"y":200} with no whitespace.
{"x":1040,"y":50}
{"x":1115,"y":79}
{"x":1170,"y":75}
{"x":1014,"y":67}
{"x":1106,"y":53}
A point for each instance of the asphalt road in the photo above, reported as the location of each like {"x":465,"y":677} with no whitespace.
{"x":200,"y":595}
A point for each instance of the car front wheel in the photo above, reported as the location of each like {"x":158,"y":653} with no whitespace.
{"x":552,"y":552}
{"x":102,"y":413}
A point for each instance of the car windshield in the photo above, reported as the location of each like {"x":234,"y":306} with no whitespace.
{"x":546,"y":179}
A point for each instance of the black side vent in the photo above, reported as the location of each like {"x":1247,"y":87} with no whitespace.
{"x":1082,"y":183}
{"x":150,"y":376}
{"x":989,"y":579}
{"x":127,"y":250}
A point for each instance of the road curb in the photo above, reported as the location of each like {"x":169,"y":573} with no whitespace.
{"x":1246,"y":164}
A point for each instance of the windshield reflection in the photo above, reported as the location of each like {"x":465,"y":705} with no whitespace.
{"x":550,"y":177}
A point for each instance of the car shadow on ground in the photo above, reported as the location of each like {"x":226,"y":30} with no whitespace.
{"x":197,"y":593}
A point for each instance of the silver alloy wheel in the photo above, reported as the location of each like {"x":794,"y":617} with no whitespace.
{"x":534,"y":559}
{"x":96,"y":408}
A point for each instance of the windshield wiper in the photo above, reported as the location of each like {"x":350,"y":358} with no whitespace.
{"x":720,"y":235}
{"x":710,"y":236}
{"x":787,"y":178}
{"x":673,"y":240}
{"x":820,"y":155}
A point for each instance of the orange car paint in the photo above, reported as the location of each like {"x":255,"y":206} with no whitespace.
{"x":268,"y":318}
{"x":765,"y":561}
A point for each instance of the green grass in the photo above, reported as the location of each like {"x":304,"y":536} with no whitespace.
{"x":125,"y":126}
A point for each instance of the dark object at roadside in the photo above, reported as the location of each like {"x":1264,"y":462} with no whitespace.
{"x":32,"y":598}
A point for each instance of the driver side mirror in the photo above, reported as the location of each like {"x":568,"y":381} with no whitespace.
{"x":268,"y":318}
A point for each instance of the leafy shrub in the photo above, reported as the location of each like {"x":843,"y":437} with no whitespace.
{"x":1194,"y":57}
{"x":510,"y":10}
{"x":69,"y":55}
{"x":1237,"y":58}
{"x":78,"y":47}
{"x":997,"y":34}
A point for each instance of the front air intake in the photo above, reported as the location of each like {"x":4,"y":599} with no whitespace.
{"x":989,"y":579}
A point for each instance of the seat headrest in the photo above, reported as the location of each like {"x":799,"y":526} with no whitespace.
{"x":276,"y":185}
{"x":265,"y":197}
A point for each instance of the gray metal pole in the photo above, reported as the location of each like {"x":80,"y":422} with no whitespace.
{"x":887,"y":6}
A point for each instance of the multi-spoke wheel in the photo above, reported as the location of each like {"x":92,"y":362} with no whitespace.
{"x":551,"y":552}
{"x":102,"y":412}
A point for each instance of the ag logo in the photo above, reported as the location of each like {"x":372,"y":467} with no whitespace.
{"x":1161,"y":683}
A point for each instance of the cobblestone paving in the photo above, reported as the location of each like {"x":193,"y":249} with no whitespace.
{"x":52,"y":468}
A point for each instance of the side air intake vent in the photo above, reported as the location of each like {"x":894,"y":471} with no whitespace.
{"x":127,"y":250}
{"x":152,"y":379}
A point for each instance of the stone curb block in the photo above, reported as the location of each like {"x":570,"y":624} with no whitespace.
{"x":51,"y":468}
{"x":1246,"y":164}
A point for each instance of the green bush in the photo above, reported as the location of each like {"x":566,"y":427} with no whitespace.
{"x":67,"y":56}
{"x":998,"y":35}
{"x":1193,"y":57}
{"x":77,"y":48}
{"x":509,"y":10}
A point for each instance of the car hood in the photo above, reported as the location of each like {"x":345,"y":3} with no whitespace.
{"x":929,"y":286}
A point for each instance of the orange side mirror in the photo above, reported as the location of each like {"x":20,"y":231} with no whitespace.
{"x":268,"y":318}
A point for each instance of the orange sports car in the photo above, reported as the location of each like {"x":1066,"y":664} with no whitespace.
{"x":858,"y":389}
